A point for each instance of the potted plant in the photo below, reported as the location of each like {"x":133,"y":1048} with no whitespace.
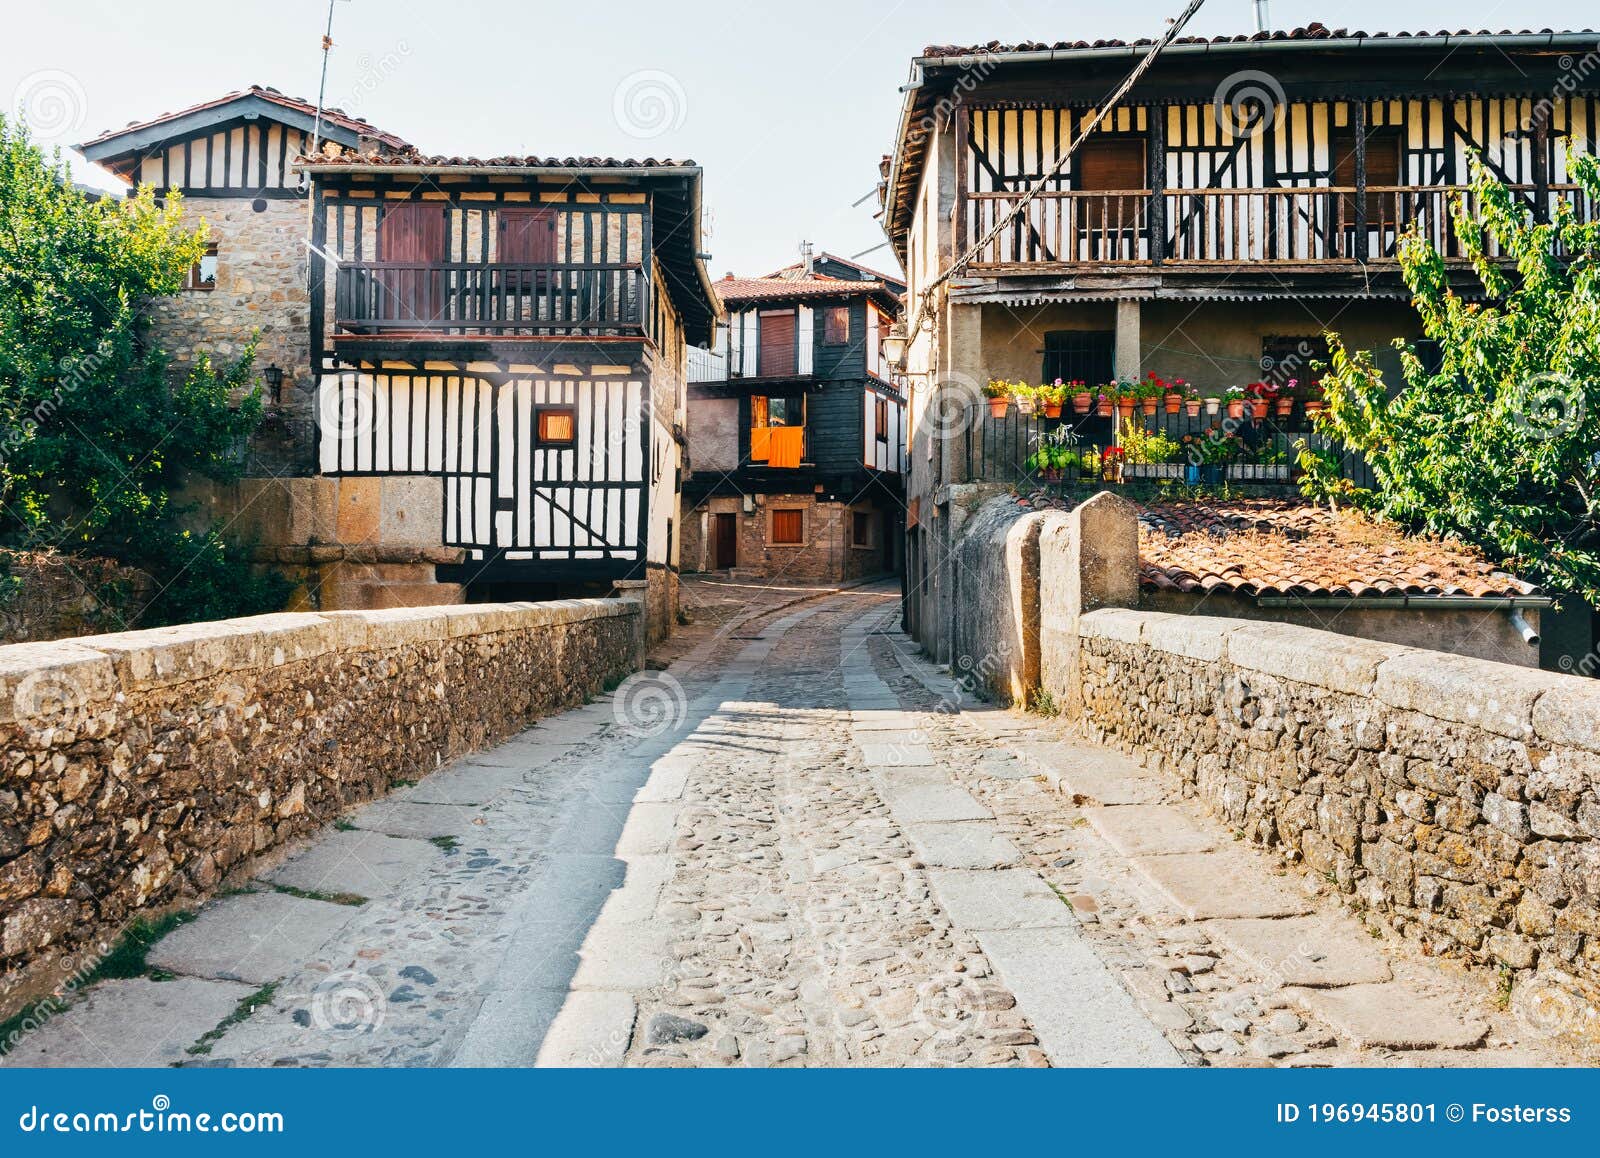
{"x":1052,"y":397}
{"x":1283,"y":404}
{"x":1112,"y":460}
{"x":1127,"y":395}
{"x":1150,"y":392}
{"x":1082,"y":398}
{"x":1024,"y":396}
{"x":1213,"y":405}
{"x":1149,"y":453}
{"x":1191,"y":401}
{"x":1176,"y":391}
{"x":1235,"y":397}
{"x":999,"y":395}
{"x":1312,"y":402}
{"x":1105,"y":401}
{"x":1088,"y":463}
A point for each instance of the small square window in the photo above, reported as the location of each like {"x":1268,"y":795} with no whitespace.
{"x":557,"y":427}
{"x":836,"y":326}
{"x":203,"y":274}
{"x":881,"y":420}
{"x":788,"y":528}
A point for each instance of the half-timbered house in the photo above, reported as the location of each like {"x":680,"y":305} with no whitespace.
{"x":1247,"y":195}
{"x":796,"y":428}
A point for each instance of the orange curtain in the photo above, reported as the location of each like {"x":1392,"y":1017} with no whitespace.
{"x":760,"y":443}
{"x":786,"y":445}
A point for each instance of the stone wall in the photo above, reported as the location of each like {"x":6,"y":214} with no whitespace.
{"x":261,"y":286}
{"x":827,"y":555}
{"x":54,"y":596}
{"x":139,"y":769}
{"x":1457,"y":798}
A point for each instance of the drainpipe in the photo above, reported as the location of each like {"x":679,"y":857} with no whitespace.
{"x":1511,"y":606}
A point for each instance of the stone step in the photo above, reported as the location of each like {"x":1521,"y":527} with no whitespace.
{"x":1225,"y":883}
{"x":1315,"y":952}
{"x":1151,"y":829}
{"x":257,"y":937}
{"x":136,"y":1022}
{"x":1010,"y":898}
{"x":1392,"y":1015}
{"x":1092,"y":774}
{"x":972,"y":844}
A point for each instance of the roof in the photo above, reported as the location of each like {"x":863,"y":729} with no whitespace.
{"x":1313,"y":31}
{"x":867,"y":272}
{"x":410,"y":158}
{"x":789,"y":287}
{"x":936,"y":72}
{"x":223,"y":108}
{"x":1261,"y":546}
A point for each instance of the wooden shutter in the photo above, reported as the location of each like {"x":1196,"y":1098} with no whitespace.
{"x":777,"y":343}
{"x":1383,"y":170}
{"x":527,"y":236}
{"x":1110,"y":163}
{"x":805,"y":334}
{"x":788,"y":527}
{"x":412,"y":233}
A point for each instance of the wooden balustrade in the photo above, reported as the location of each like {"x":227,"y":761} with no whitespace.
{"x":491,"y":299}
{"x":1292,"y":226}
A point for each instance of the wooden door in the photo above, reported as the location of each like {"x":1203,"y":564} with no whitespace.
{"x":412,"y":234}
{"x":1111,"y":165}
{"x":1384,"y":210}
{"x":777,"y":344}
{"x":725,"y":543}
{"x":527,"y":237}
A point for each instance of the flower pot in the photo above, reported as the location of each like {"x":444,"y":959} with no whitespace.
{"x":1283,"y":407}
{"x":1125,"y":407}
{"x":1104,"y":407}
{"x":998,"y":407}
{"x":1211,"y":473}
{"x":1191,"y":406}
{"x":1174,"y":403}
{"x":1053,"y":474}
{"x":1236,"y":408}
{"x":1313,"y":406}
{"x":1154,"y":470}
{"x":1191,"y":474}
{"x":1024,"y":404}
{"x":1149,"y":406}
{"x":1213,"y":405}
{"x":1052,"y":410}
{"x":1081,"y":402}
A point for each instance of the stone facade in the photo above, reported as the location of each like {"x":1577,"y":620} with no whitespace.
{"x":261,"y":287}
{"x":827,"y":553}
{"x":140,"y":769}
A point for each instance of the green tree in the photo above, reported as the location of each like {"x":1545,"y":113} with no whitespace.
{"x":1498,"y":444}
{"x":96,"y":433}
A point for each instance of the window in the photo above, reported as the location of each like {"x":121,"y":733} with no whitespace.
{"x":557,"y":426}
{"x":1290,"y":356}
{"x":788,"y":528}
{"x":779,"y":353}
{"x":836,"y":326}
{"x":1383,"y":171}
{"x":860,"y":529}
{"x":203,"y":274}
{"x":1087,"y":356}
{"x":881,"y":420}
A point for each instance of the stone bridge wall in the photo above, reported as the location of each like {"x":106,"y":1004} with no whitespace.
{"x":140,"y":768}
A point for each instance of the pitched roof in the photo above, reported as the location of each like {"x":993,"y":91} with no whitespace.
{"x":330,"y":116}
{"x":1251,"y":546}
{"x":410,"y":158}
{"x":784,"y":286}
{"x":870,"y":274}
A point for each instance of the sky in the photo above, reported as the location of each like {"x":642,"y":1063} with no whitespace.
{"x":787,"y":107}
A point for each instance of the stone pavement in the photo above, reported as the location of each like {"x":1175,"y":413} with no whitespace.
{"x":796,"y":845}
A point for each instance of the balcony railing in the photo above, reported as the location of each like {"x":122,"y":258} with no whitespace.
{"x":490,"y":299}
{"x":1288,"y":226}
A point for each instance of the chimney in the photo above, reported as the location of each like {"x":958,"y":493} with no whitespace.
{"x":1263,"y":21}
{"x":807,"y":262}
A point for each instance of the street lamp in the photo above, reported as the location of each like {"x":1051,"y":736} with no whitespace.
{"x":274,"y":377}
{"x":894,"y":344}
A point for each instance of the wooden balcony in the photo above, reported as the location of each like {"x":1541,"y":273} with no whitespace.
{"x":489,"y":300}
{"x":1228,"y":227}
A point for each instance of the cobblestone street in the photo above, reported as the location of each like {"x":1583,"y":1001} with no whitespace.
{"x":795,"y":845}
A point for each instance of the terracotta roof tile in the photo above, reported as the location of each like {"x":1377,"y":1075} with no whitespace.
{"x":439,"y":161}
{"x":1286,"y":547}
{"x":267,"y":93}
{"x":748,"y":289}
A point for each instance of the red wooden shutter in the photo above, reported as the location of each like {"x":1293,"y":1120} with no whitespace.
{"x":412,"y":233}
{"x":1115,"y":163}
{"x":527,"y":236}
{"x":777,"y":343}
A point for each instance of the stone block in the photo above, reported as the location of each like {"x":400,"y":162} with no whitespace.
{"x":1118,"y":625}
{"x":1320,"y":658}
{"x":360,"y":510}
{"x":1569,"y":713}
{"x":1226,"y":883}
{"x":1008,"y":898}
{"x":257,"y":937}
{"x":131,"y":1023}
{"x":411,"y":510}
{"x":972,"y":844}
{"x":1151,"y":829}
{"x":1203,"y":637}
{"x":399,"y":626}
{"x":49,"y":683}
{"x":1316,"y":952}
{"x":161,"y":657}
{"x":1494,"y":696}
{"x":1392,"y":1015}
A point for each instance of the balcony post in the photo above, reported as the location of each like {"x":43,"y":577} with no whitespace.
{"x":1358,"y":128}
{"x":1541,"y":162}
{"x":1156,"y":118}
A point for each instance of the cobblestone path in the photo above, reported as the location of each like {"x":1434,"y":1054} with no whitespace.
{"x":796,"y":845}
